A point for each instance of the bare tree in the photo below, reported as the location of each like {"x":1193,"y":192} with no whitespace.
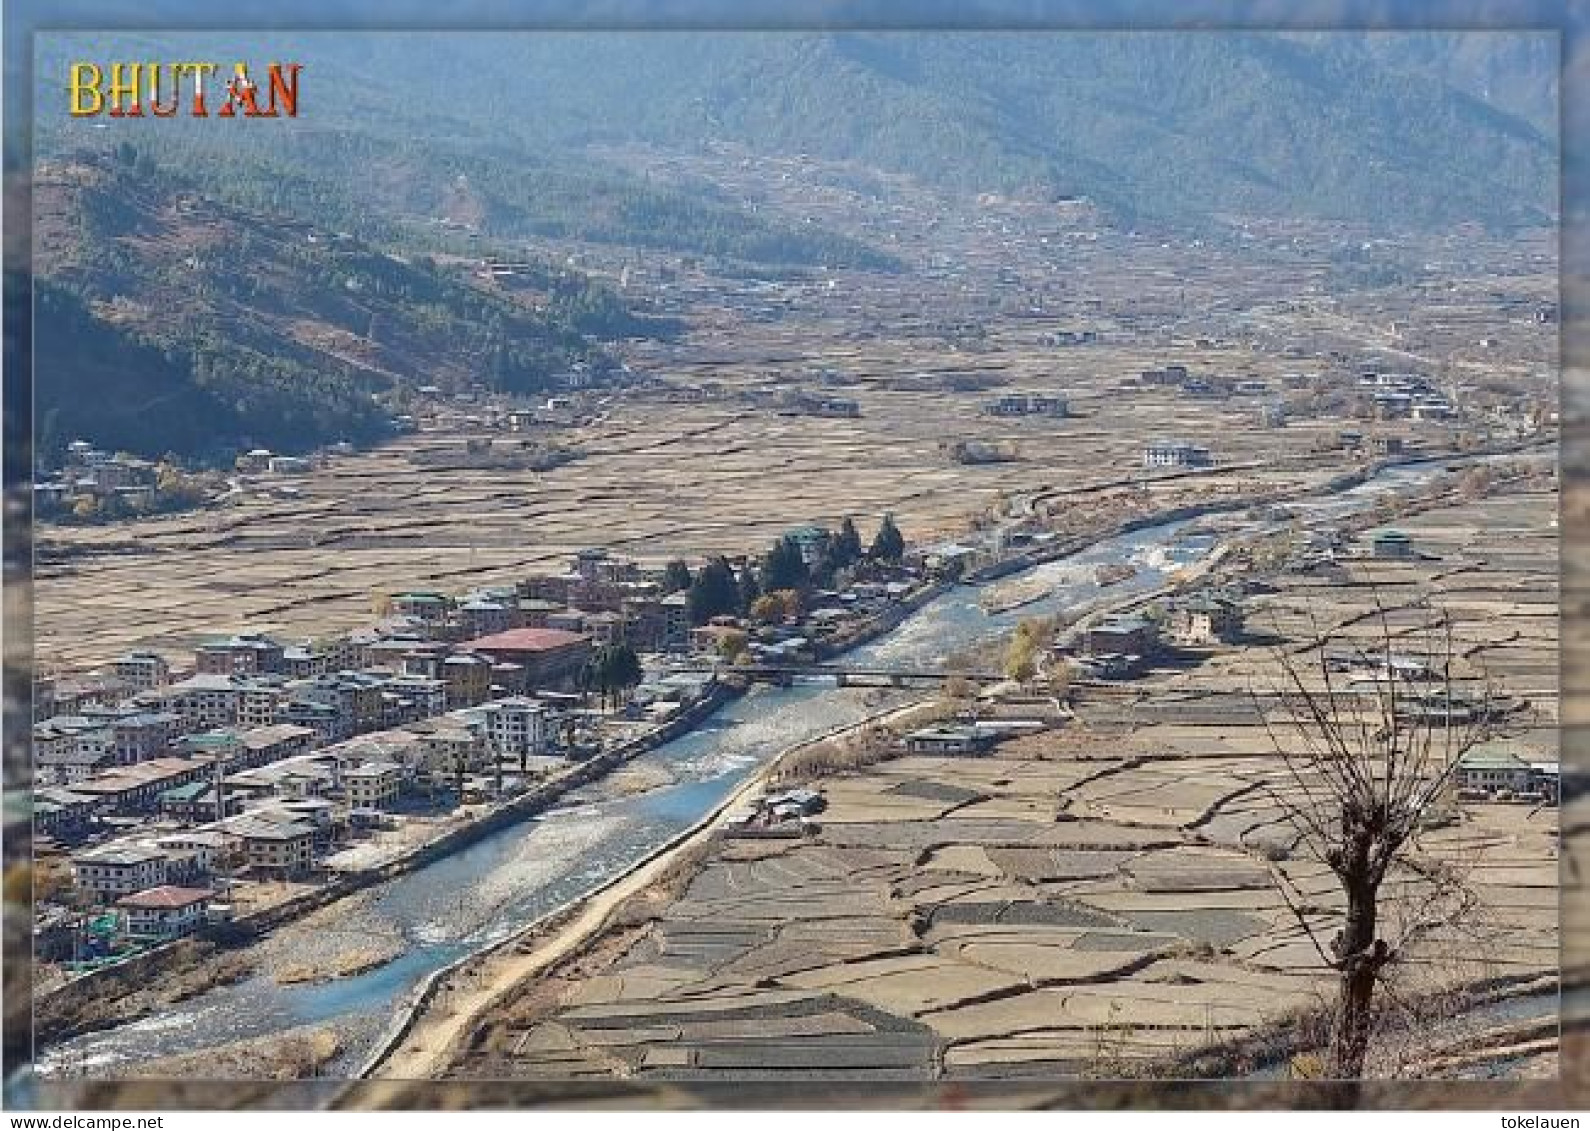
{"x":1367,"y":761}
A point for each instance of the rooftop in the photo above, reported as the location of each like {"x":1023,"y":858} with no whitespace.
{"x":527,"y":640}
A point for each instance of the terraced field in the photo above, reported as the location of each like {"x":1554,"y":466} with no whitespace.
{"x":1101,"y":899}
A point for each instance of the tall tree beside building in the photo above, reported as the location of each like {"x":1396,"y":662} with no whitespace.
{"x":845,"y":548}
{"x":888,"y":545}
{"x":784,"y":568}
{"x":713,"y":592}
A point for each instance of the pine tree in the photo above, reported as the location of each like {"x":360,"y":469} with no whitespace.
{"x":888,"y":545}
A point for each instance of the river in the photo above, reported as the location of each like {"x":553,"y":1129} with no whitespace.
{"x":485,"y":893}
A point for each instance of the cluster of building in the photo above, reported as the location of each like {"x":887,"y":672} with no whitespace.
{"x":262,"y":758}
{"x":1399,"y":396}
{"x":99,"y":475}
{"x":1123,"y":644}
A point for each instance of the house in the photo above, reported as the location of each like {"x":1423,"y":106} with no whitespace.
{"x":517,"y":727}
{"x":288,"y":465}
{"x":143,"y":671}
{"x":811,"y":540}
{"x":467,"y":677}
{"x":945,"y":738}
{"x":62,"y":814}
{"x":273,"y":845}
{"x":1491,"y":767}
{"x":241,"y":654}
{"x":163,"y":913}
{"x":107,"y":873}
{"x":1205,"y":618}
{"x":1123,"y":636}
{"x":1391,"y":544}
{"x":550,"y":657}
{"x":205,"y":700}
{"x":1175,"y":453}
{"x":372,"y":785}
{"x":1027,"y":404}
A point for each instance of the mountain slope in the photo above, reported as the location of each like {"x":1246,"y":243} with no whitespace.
{"x":168,"y":321}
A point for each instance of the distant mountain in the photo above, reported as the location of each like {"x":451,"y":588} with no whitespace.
{"x":1399,"y":130}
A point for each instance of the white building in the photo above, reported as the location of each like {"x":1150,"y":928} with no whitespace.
{"x":111,"y":871}
{"x":1175,"y":453}
{"x":373,"y":785}
{"x":165,"y":912}
{"x":517,"y":727}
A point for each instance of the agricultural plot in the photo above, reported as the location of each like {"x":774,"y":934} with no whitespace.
{"x":1099,"y":900}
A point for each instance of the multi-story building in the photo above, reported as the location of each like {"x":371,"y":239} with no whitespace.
{"x":373,"y":785}
{"x":143,"y":671}
{"x":1175,"y":453}
{"x":517,"y":727}
{"x":164,"y":913}
{"x":242,"y":654}
{"x":107,"y":873}
{"x":468,"y":679}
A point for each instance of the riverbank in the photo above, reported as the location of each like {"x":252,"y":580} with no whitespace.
{"x":426,"y":1037}
{"x":83,"y":1004}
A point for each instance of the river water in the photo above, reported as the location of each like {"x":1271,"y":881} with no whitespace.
{"x":487,"y":892}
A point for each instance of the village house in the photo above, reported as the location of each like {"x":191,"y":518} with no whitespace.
{"x":1205,"y":618}
{"x":1026,"y":404}
{"x":1123,"y":636}
{"x":1491,"y":768}
{"x":163,"y":913}
{"x":948,"y":738}
{"x":1175,"y":453}
{"x":1391,"y":544}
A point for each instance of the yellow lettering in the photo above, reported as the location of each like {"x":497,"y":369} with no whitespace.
{"x":83,"y":85}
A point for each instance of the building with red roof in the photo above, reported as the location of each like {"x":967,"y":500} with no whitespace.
{"x":549,"y":657}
